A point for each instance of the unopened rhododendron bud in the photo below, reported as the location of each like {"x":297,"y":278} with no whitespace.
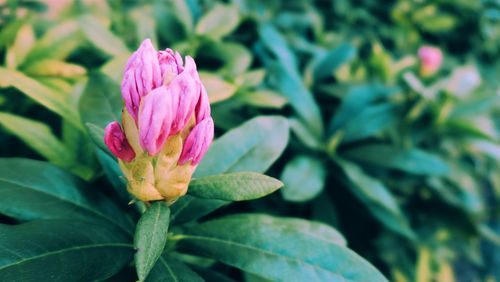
{"x":166,"y":124}
{"x":431,"y":59}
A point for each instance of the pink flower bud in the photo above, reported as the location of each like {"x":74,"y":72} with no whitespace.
{"x":117,"y":143}
{"x":431,"y":59}
{"x":142,"y":74}
{"x":197,"y":142}
{"x":155,"y":119}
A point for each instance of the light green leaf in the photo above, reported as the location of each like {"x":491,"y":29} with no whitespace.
{"x":252,"y":78}
{"x":278,"y":249}
{"x":101,"y":37}
{"x":62,"y":250}
{"x":101,"y":102}
{"x":237,"y":186}
{"x":114,"y":68}
{"x":377,"y":199}
{"x":47,"y":97}
{"x":413,"y":161}
{"x":56,"y":68}
{"x":32,"y":189}
{"x":189,"y":208}
{"x":39,"y":137}
{"x":16,"y":54}
{"x":304,"y":179}
{"x":150,"y":237}
{"x":236,"y":58}
{"x":57,"y":43}
{"x":263,"y":99}
{"x":217,"y":88}
{"x":219,"y":21}
{"x":169,"y":269}
{"x":326,"y":64}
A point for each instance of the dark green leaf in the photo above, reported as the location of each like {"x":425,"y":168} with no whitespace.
{"x":304,"y":179}
{"x":377,"y":199}
{"x":96,"y":133}
{"x":101,"y":102}
{"x":170,"y":269}
{"x":238,"y":186}
{"x":37,"y":190}
{"x":150,"y":237}
{"x":326,"y":64}
{"x":189,"y":208}
{"x":412,"y":161}
{"x":62,"y":250}
{"x":287,"y":80}
{"x":278,"y":249}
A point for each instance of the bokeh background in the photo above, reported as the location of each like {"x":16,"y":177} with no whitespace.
{"x":405,"y":164}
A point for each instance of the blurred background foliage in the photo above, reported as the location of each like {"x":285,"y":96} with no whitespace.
{"x":405,"y":166}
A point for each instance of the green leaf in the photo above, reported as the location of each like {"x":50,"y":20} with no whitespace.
{"x":39,"y":137}
{"x":254,"y":146}
{"x":357,"y":99}
{"x":219,"y":21}
{"x":304,"y":179}
{"x":189,"y":208}
{"x":238,"y":186}
{"x":101,"y":36}
{"x":377,"y":199}
{"x":151,"y":237}
{"x":62,"y":250}
{"x":235,"y":58}
{"x":47,"y":97}
{"x":57,"y":43}
{"x":413,"y":160}
{"x":55,"y":68}
{"x":370,"y":121}
{"x":278,"y":249}
{"x":37,"y":190}
{"x":217,"y":88}
{"x":16,"y":54}
{"x":286,"y":78}
{"x":96,"y":133}
{"x":263,"y":99}
{"x":101,"y":101}
{"x":170,"y":269}
{"x":326,"y":64}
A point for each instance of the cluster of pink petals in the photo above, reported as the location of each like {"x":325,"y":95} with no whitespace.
{"x":430,"y":57}
{"x":162,"y":95}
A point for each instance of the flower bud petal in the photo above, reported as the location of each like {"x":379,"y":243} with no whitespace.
{"x":168,"y":65}
{"x":202,"y":109}
{"x":185,"y":90}
{"x":117,"y":142}
{"x":197,"y":142}
{"x":142,"y":74}
{"x":155,"y":119}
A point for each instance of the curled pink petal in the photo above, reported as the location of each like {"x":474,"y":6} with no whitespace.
{"x":187,"y":91}
{"x":116,"y":141}
{"x":155,"y":119}
{"x":142,"y":74}
{"x":202,"y":110}
{"x":197,"y":142}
